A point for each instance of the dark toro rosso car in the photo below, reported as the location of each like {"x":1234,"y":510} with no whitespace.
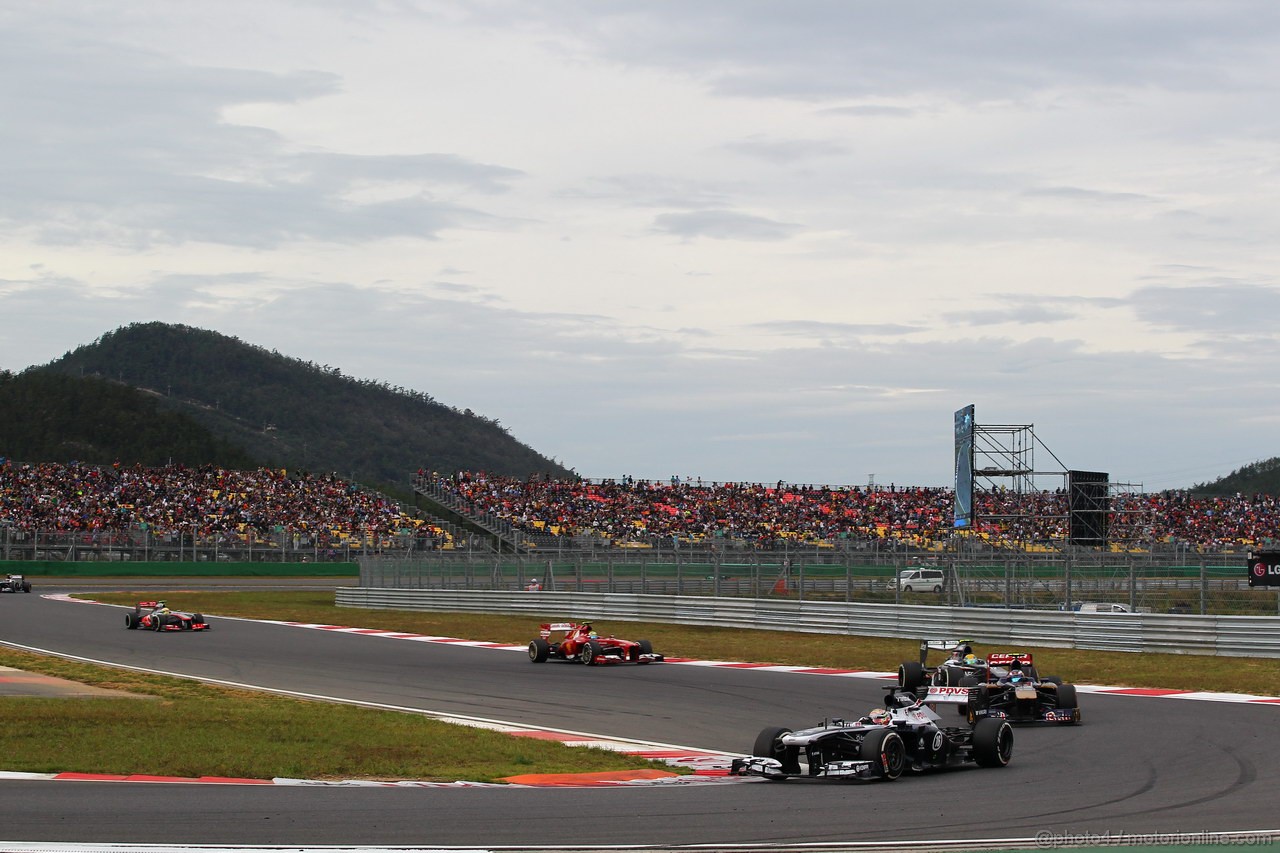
{"x":15,"y":583}
{"x":156,"y":616}
{"x":1003,"y":685}
{"x":904,"y":735}
{"x":579,"y":642}
{"x":1014,"y":691}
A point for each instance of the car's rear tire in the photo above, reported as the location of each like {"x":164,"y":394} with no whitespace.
{"x":992,"y":742}
{"x":131,"y":621}
{"x":886,"y":752}
{"x":769,"y":745}
{"x":26,"y":586}
{"x":910,"y":675}
{"x":539,"y":650}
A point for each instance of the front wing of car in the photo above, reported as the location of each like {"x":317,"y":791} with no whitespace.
{"x":771,"y":768}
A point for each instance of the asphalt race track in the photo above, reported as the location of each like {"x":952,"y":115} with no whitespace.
{"x":1136,"y":766}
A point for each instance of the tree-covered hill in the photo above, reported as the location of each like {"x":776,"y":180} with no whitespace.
{"x":289,"y":413}
{"x":48,"y":416}
{"x":1258,"y":478}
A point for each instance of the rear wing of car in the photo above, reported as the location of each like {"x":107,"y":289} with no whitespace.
{"x":1009,"y":658}
{"x":146,"y":604}
{"x":939,"y":645}
{"x":546,"y":628}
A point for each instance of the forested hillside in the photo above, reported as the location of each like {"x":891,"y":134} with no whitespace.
{"x":1259,"y":478}
{"x":52,"y":417}
{"x":284,"y":412}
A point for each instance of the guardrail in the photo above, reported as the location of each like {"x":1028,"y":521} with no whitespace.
{"x":1235,"y":636}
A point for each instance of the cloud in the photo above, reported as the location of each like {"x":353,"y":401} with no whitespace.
{"x":787,"y":151}
{"x":128,"y":146}
{"x":723,"y":225}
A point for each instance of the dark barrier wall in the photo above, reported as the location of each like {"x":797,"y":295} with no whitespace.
{"x":56,"y":568}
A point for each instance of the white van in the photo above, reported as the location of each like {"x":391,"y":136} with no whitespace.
{"x":1097,"y":607}
{"x":919,"y":580}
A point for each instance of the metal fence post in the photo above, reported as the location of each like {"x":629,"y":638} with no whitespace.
{"x":1204,"y":588}
{"x":1133,"y":586}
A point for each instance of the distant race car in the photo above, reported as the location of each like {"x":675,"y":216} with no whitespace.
{"x":579,"y":642}
{"x":156,"y":616}
{"x":1014,"y":691}
{"x":961,"y":663}
{"x":15,"y":583}
{"x":904,"y":735}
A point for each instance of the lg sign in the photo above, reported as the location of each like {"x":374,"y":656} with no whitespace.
{"x":1264,"y":569}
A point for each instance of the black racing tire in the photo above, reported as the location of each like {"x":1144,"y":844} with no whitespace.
{"x":1067,"y":696}
{"x":197,"y":619}
{"x":158,"y":621}
{"x":769,"y":745}
{"x":539,"y":650}
{"x":131,"y":621}
{"x":591,"y":653}
{"x":886,"y":752}
{"x":942,"y":676}
{"x":646,"y":647}
{"x":26,"y":586}
{"x":992,"y":742}
{"x":910,"y":675}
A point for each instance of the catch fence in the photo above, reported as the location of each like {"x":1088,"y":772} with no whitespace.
{"x":1202,"y":585}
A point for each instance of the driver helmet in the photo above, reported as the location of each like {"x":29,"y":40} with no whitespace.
{"x":879,"y":717}
{"x":593,"y":635}
{"x":971,"y":659}
{"x":1015,"y":674}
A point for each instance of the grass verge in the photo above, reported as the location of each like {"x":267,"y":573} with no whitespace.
{"x":195,"y":729}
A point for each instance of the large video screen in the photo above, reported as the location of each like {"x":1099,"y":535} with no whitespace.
{"x":964,"y":467}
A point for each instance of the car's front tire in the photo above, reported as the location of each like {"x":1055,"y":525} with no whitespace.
{"x":769,"y":745}
{"x":590,"y":654}
{"x":1067,"y":700}
{"x":886,"y":752}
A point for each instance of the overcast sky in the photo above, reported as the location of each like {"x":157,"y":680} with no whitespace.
{"x":730,"y":239}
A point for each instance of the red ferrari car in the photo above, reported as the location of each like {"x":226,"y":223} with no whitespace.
{"x":156,"y":616}
{"x":581,"y":643}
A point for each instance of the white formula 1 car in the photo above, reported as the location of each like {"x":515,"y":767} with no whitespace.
{"x":904,"y":735}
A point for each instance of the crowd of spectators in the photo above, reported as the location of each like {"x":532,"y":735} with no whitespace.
{"x":267,"y":504}
{"x":205,"y":502}
{"x":685,"y":509}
